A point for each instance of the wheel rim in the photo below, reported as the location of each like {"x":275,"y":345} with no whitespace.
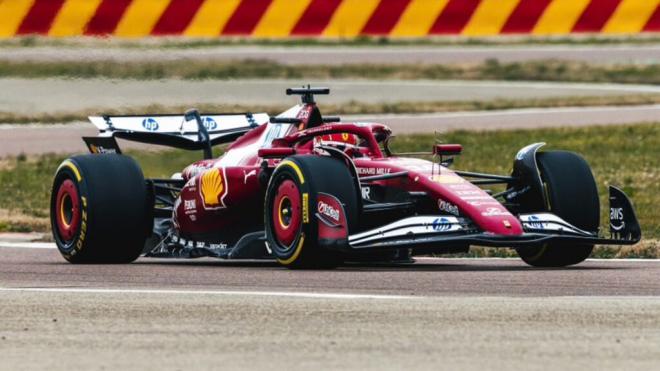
{"x":286,"y":213}
{"x":67,"y":207}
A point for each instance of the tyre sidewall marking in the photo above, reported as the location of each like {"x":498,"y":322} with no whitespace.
{"x":69,"y":170}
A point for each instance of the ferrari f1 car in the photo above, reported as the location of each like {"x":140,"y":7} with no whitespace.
{"x":312,"y":191}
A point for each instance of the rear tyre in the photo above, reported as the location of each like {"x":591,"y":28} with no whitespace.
{"x":573,"y":196}
{"x":292,"y":229}
{"x":99,"y":209}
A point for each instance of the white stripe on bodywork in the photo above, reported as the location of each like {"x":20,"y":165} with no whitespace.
{"x":435,"y":224}
{"x":549,"y":222}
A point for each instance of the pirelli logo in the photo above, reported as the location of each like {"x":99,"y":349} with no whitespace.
{"x":325,"y":18}
{"x":305,"y":207}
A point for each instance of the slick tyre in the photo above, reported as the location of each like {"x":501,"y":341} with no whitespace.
{"x":99,"y":209}
{"x":572,"y":195}
{"x":292,"y":227}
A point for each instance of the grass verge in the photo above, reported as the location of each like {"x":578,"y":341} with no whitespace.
{"x":552,"y":70}
{"x":352,"y":107}
{"x":646,"y":249}
{"x":187,"y":42}
{"x":626,"y":156}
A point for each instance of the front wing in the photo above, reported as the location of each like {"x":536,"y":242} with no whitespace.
{"x":436,"y":231}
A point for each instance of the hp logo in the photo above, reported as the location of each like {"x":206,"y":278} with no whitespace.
{"x":210,"y":123}
{"x":150,"y":124}
{"x":441,"y":224}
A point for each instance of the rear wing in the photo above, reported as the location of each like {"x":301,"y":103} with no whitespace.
{"x":190,"y":131}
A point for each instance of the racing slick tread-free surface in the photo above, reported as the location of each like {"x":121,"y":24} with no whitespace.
{"x":115,"y":211}
{"x":320,"y":175}
{"x":573,"y":196}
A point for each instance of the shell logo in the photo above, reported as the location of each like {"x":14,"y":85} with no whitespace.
{"x":212,"y":186}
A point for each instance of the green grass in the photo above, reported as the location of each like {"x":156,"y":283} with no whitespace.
{"x":551,"y":70}
{"x":352,"y":107}
{"x":626,"y":156}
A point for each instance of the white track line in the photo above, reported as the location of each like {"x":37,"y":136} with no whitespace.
{"x":288,"y":294}
{"x":28,"y":245}
{"x":50,"y":246}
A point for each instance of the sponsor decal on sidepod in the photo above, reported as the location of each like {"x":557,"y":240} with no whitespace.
{"x":373,"y":171}
{"x":213,"y":188}
{"x":366,"y":193}
{"x":189,"y":205}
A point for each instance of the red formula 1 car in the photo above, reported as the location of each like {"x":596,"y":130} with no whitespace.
{"x":311,"y":191}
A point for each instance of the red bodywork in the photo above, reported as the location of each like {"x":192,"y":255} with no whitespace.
{"x":226,"y":193}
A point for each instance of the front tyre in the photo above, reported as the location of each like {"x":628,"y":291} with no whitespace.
{"x":573,"y":196}
{"x":99,"y":209}
{"x":298,"y":185}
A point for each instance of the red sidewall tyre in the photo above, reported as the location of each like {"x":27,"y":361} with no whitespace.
{"x":287,"y":212}
{"x":67,"y":210}
{"x":295,"y":186}
{"x":100,"y":209}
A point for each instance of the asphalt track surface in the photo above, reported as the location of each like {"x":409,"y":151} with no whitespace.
{"x":35,"y":96}
{"x":601,"y":54}
{"x":436,"y":313}
{"x":44,"y":267}
{"x":39,"y":139}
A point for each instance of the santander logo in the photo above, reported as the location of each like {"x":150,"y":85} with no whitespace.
{"x":328,"y":211}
